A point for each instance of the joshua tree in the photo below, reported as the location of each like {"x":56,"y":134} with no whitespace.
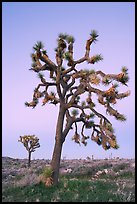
{"x":30,"y":142}
{"x":74,"y":94}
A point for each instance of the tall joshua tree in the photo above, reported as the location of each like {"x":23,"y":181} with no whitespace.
{"x":74,"y":94}
{"x":30,"y":142}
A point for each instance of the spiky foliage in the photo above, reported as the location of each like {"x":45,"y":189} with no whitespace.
{"x":30,"y":142}
{"x":47,"y":172}
{"x":63,"y":36}
{"x":123,"y":76}
{"x":74,"y":112}
{"x":67,"y":56}
{"x":92,"y":71}
{"x":115,"y":85}
{"x":76,"y":138}
{"x":94,"y":35}
{"x":38,"y":46}
{"x":26,"y":104}
{"x":95,"y":58}
{"x":75,"y":91}
{"x":70,"y":39}
{"x":124,"y":70}
{"x":121,"y":117}
{"x":106,"y":81}
{"x":32,"y":104}
{"x":89,"y":124}
{"x":46,"y":176}
{"x":44,"y":52}
{"x":109,"y":127}
{"x":91,"y":115}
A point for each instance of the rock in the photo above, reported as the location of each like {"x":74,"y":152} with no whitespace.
{"x":106,"y":171}
{"x":69,"y":170}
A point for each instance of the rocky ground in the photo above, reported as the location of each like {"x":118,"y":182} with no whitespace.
{"x":15,"y":171}
{"x":17,"y":168}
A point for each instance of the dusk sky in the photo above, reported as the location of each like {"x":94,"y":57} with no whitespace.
{"x":25,"y":23}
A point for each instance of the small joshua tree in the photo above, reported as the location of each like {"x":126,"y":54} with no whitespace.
{"x":30,"y":142}
{"x":74,"y":93}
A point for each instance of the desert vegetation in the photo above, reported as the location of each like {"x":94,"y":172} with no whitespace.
{"x":80,"y":180}
{"x":30,"y":142}
{"x":72,"y":89}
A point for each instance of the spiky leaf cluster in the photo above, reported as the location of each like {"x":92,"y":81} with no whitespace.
{"x":96,"y":58}
{"x":63,"y":36}
{"x":94,"y":35}
{"x":67,"y":56}
{"x":74,"y":112}
{"x":70,"y":39}
{"x":30,"y":142}
{"x":38,"y":46}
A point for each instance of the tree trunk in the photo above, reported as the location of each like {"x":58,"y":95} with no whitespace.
{"x":29,"y":159}
{"x":55,"y":162}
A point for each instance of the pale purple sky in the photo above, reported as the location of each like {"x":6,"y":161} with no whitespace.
{"x":25,"y":23}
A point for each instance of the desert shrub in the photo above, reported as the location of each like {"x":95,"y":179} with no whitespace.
{"x":126,"y":174}
{"x":120,"y":167}
{"x":46,"y":176}
{"x":27,"y":180}
{"x":47,"y":172}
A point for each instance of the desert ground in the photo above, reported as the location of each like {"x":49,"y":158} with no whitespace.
{"x":120,"y":172}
